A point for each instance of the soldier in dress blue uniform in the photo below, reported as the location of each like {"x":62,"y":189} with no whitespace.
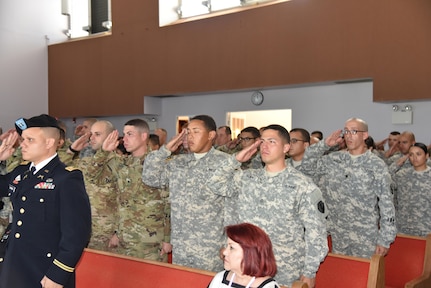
{"x":51,"y":217}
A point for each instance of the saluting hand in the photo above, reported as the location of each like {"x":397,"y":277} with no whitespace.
{"x":6,"y":147}
{"x":81,"y":142}
{"x":176,"y":141}
{"x":111,"y":142}
{"x":334,"y":138}
{"x":248,"y":152}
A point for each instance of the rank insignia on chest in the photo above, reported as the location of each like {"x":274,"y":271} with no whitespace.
{"x":12,"y":189}
{"x":45,"y":185}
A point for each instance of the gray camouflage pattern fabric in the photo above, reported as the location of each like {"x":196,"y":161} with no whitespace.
{"x":286,"y":206}
{"x":358,"y":197}
{"x":197,"y":210}
{"x":413,"y":201}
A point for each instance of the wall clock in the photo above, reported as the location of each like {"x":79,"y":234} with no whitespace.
{"x":257,"y":98}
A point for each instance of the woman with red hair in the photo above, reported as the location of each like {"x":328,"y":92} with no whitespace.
{"x":248,"y":259}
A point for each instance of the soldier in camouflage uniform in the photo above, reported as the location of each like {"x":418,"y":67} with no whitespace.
{"x":299,"y":142}
{"x":413,"y":197}
{"x":63,"y":146}
{"x":197,"y":217}
{"x":280,"y":200}
{"x":5,"y":205}
{"x":141,"y":222}
{"x":248,"y":137}
{"x":357,"y":192}
{"x":84,"y":129}
{"x":100,"y":185}
{"x":400,"y":160}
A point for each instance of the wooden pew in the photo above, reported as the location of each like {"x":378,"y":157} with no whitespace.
{"x":340,"y":271}
{"x":408,"y":263}
{"x":104,"y":269}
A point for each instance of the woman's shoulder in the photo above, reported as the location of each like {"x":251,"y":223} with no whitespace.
{"x":218,"y":279}
{"x":269,"y":283}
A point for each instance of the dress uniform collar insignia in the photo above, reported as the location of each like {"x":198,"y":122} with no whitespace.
{"x":40,"y":176}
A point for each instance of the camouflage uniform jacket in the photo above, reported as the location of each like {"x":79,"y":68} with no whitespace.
{"x":65,"y":157}
{"x":197,"y":209}
{"x":142,"y":210}
{"x":358,"y":196}
{"x":14,"y":161}
{"x":288,"y":206}
{"x":394,"y":168}
{"x":413,"y":201}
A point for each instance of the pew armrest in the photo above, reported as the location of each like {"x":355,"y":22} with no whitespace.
{"x":427,"y":259}
{"x":376,"y":274}
{"x":423,"y":281}
{"x":299,"y":284}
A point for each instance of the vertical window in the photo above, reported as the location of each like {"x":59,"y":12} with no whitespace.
{"x":86,"y":17}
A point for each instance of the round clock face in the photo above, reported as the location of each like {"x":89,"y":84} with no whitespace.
{"x":257,"y":98}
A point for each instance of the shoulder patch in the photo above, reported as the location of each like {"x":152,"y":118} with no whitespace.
{"x":71,"y":168}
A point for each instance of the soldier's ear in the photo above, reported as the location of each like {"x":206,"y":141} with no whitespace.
{"x":286,"y":148}
{"x":51,"y":142}
{"x":212,"y":135}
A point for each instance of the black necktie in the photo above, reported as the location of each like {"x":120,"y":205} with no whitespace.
{"x":33,"y":169}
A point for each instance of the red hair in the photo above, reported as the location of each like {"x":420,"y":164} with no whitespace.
{"x":258,"y":260}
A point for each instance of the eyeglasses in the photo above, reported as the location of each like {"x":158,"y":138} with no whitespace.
{"x":294,"y":140}
{"x":246,"y":139}
{"x":352,"y":132}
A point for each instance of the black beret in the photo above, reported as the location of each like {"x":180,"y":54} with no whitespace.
{"x":36,"y":121}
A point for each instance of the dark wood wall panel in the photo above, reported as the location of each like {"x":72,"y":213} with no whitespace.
{"x":297,"y":42}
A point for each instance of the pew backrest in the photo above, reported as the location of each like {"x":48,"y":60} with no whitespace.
{"x":405,"y":260}
{"x":340,"y":271}
{"x":104,"y":269}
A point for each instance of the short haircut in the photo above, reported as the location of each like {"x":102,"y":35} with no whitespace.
{"x":163,"y":130}
{"x":108,"y":125}
{"x":62,"y":125}
{"x":319,"y":133}
{"x":154,"y":139}
{"x":364,"y":125}
{"x":422,"y":146}
{"x":410,"y":135}
{"x":282,"y":132}
{"x":253,"y":130}
{"x":209,"y":122}
{"x":370,"y":142}
{"x":90,"y":120}
{"x":227,"y":130}
{"x":258,"y":259}
{"x":395,"y":133}
{"x":304,"y":133}
{"x":52,"y":132}
{"x":141,"y":124}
